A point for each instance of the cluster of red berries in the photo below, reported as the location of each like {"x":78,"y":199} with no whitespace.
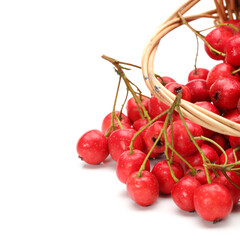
{"x":199,"y":168}
{"x":223,"y":80}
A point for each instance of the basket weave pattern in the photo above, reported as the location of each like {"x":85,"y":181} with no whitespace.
{"x":225,"y":10}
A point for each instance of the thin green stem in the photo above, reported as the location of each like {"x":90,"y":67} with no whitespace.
{"x":138,"y":89}
{"x":163,"y":130}
{"x":234,"y":153}
{"x":148,"y":154}
{"x":167,"y":144}
{"x":196,"y":57}
{"x":196,"y":145}
{"x":219,"y":25}
{"x":235,"y":169}
{"x":124,"y":102}
{"x":119,"y":122}
{"x":230,"y":180}
{"x":113,"y":127}
{"x":227,"y":167}
{"x":184,"y":160}
{"x":213,"y":50}
{"x":213,"y":142}
{"x":235,"y":71}
{"x":136,"y":98}
{"x":172,"y":172}
{"x":142,"y":95}
{"x":129,"y":64}
{"x":229,"y":25}
{"x":143,"y":128}
{"x":128,"y":85}
{"x":171,"y":126}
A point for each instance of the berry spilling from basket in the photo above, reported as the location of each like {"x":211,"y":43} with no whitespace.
{"x":158,"y":151}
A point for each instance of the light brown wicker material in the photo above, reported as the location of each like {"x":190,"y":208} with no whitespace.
{"x":228,"y":9}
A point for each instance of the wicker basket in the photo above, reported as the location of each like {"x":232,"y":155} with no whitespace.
{"x":228,"y":9}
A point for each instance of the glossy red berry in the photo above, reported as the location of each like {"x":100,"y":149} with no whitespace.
{"x":213,"y":202}
{"x":200,"y":174}
{"x":92,"y":147}
{"x":107,"y":121}
{"x":225,"y":93}
{"x":209,"y":152}
{"x":119,"y":141}
{"x":150,"y":136}
{"x":198,"y":73}
{"x":199,"y":90}
{"x":220,"y":140}
{"x":162,"y":172}
{"x":232,"y":115}
{"x":219,"y":71}
{"x":175,"y":88}
{"x":235,"y":192}
{"x":157,"y":107}
{"x":143,"y":190}
{"x":210,"y":107}
{"x":137,"y":125}
{"x":181,"y":140}
{"x":230,"y":157}
{"x":129,"y":163}
{"x":217,"y":39}
{"x":182,"y":192}
{"x":233,"y":51}
{"x":234,"y":141}
{"x":165,"y":80}
{"x":132,"y":108}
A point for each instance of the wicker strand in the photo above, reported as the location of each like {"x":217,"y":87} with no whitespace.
{"x":229,"y":9}
{"x":219,"y":11}
{"x":182,"y":9}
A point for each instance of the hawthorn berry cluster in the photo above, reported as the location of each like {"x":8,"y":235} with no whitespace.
{"x":199,"y":168}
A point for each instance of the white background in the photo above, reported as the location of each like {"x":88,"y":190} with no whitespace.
{"x":54,"y":87}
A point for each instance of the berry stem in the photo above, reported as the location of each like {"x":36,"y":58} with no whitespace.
{"x":196,"y":57}
{"x":184,"y":160}
{"x":132,"y":65}
{"x":213,"y":142}
{"x":234,"y":153}
{"x":213,"y":50}
{"x":163,"y":130}
{"x":115,"y":103}
{"x":236,"y":170}
{"x":235,"y":71}
{"x":171,"y":126}
{"x":219,"y":25}
{"x":168,"y":145}
{"x":129,"y":64}
{"x":227,"y":167}
{"x":119,"y":122}
{"x":169,"y":116}
{"x":204,"y":158}
{"x":129,"y":87}
{"x":229,"y":25}
{"x":230,"y":180}
{"x":172,"y":172}
{"x":113,"y":115}
{"x":139,"y":91}
{"x":148,"y":154}
{"x":124,"y":102}
{"x":143,"y":128}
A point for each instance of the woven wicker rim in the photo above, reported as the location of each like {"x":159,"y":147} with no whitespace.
{"x":191,"y":111}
